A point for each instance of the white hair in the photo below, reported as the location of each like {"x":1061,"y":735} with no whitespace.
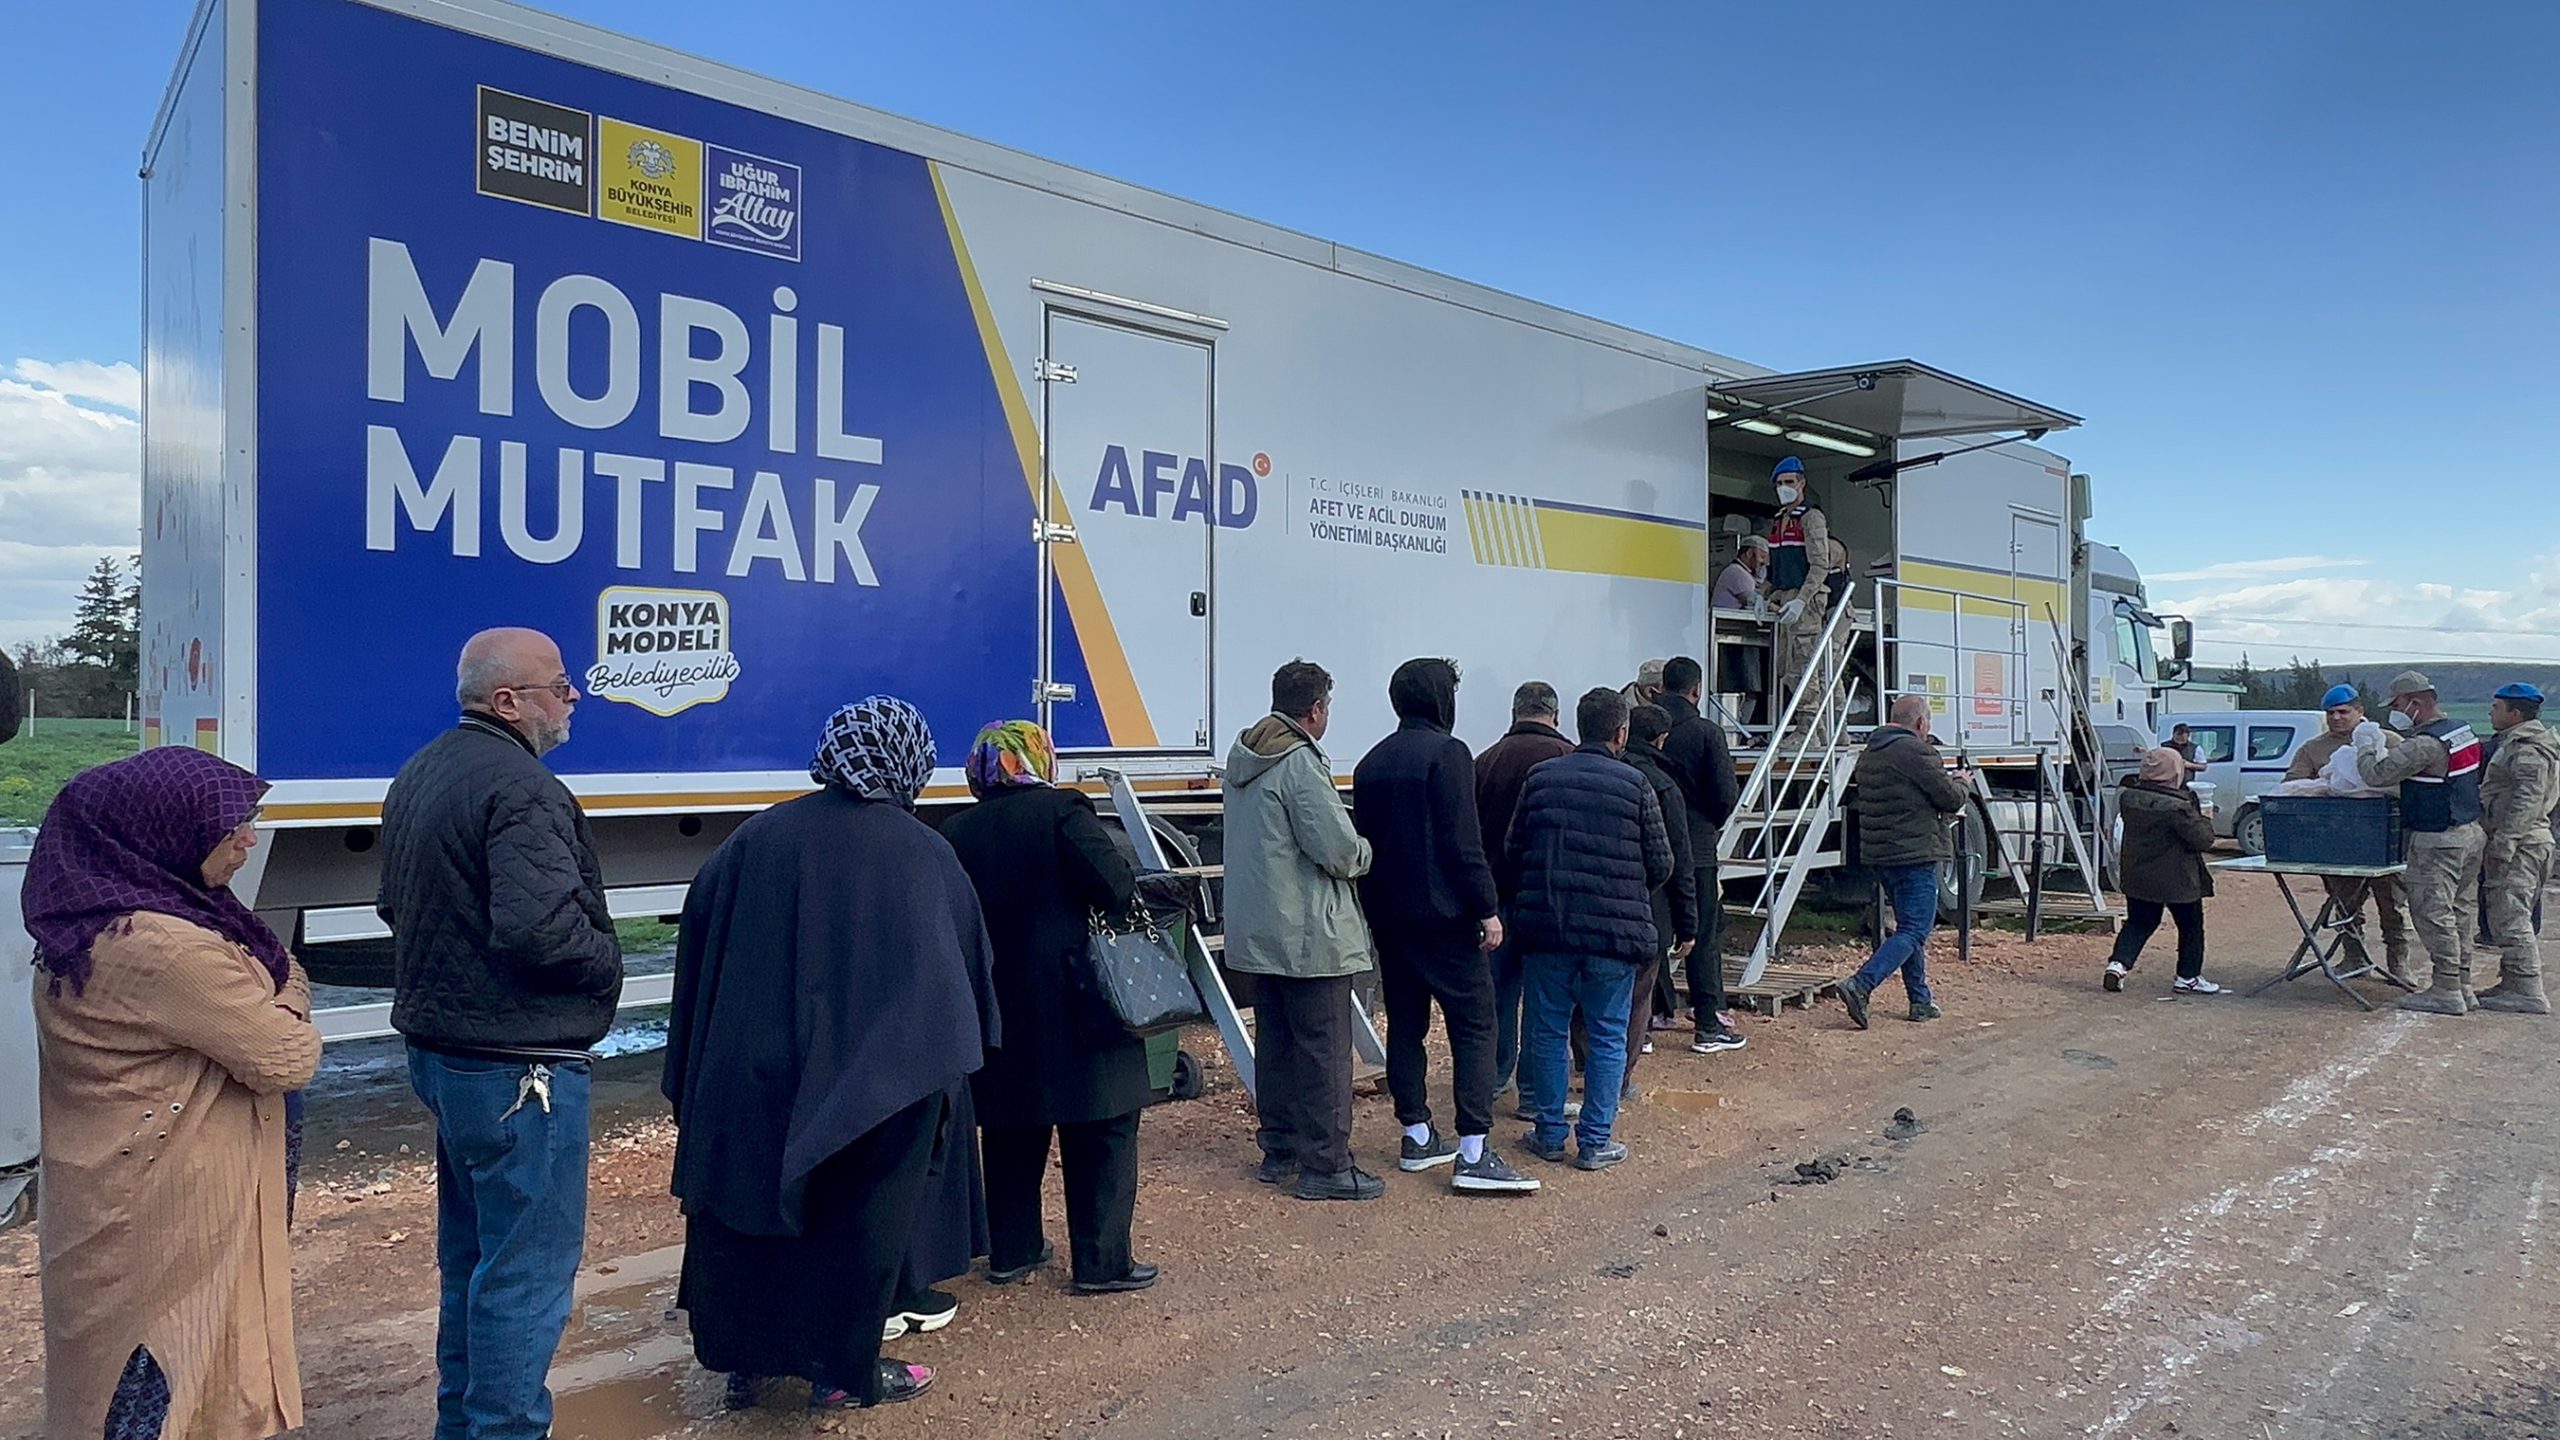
{"x":1755,"y":542}
{"x":477,"y":680}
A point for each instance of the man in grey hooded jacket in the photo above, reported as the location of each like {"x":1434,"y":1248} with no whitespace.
{"x":1294,"y":924}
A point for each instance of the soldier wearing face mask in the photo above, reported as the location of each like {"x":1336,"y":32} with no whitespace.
{"x":1800,"y":553}
{"x":2437,"y":769}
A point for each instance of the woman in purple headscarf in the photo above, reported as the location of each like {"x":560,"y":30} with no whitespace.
{"x":172,"y":1026}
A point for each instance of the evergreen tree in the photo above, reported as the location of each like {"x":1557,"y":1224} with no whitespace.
{"x":103,"y":629}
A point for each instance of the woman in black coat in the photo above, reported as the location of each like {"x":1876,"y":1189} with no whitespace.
{"x":2166,"y":836}
{"x":1043,"y":862}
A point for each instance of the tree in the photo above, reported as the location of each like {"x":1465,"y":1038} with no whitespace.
{"x":104,"y":629}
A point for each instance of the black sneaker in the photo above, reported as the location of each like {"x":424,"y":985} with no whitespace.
{"x":1488,"y":1176}
{"x":1853,"y":996}
{"x":1926,"y":1010}
{"x":921,"y":1313}
{"x":1711,"y":1042}
{"x":1602,"y":1158}
{"x":1277,"y":1170}
{"x":1553,"y":1154}
{"x":1430,"y":1154}
{"x":1352,"y":1184}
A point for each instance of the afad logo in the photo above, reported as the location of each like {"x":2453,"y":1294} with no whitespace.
{"x":1159,"y":485}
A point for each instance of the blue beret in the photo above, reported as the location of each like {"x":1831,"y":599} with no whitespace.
{"x":2338,"y":695}
{"x":1789,"y":466}
{"x":2519,"y":691}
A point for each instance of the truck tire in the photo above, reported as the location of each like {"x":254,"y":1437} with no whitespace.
{"x":1978,"y":845}
{"x":2250,"y":829}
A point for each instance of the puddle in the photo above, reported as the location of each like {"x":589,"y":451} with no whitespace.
{"x":1689,"y":1102}
{"x":636,"y":1407}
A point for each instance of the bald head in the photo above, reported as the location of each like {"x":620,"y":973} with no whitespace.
{"x":517,"y":675}
{"x":1911,"y":712}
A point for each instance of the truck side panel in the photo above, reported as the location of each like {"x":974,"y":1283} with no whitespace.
{"x":187,"y":513}
{"x":1987,"y":532}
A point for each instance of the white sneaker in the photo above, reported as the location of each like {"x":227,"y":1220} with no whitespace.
{"x":2197,"y":985}
{"x":2114,"y":980}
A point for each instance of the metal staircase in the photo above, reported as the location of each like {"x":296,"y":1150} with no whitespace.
{"x":1787,"y":821}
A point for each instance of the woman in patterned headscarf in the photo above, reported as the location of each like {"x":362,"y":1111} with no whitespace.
{"x":1043,"y":861}
{"x":168,"y":1292}
{"x":831,"y":990}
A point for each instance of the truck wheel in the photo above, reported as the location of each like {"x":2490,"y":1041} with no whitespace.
{"x":1976,"y":844}
{"x":1189,"y":1083}
{"x":2251,"y":831}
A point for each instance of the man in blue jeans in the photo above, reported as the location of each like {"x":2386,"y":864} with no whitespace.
{"x":505,"y":971}
{"x":1589,"y":848}
{"x":1902,"y":797}
{"x":1501,"y":771}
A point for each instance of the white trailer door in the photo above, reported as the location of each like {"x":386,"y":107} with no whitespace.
{"x":1131,"y":450}
{"x":2038,"y":564}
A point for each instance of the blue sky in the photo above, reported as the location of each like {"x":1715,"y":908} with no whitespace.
{"x":2295,"y":262}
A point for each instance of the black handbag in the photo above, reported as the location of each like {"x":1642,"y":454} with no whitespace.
{"x":1137,"y":967}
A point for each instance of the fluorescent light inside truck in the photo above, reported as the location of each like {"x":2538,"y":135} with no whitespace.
{"x":1829,"y":442}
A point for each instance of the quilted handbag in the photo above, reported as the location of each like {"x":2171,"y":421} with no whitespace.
{"x":1136,"y":968}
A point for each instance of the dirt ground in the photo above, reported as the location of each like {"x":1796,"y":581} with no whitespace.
{"x":2270,"y":1218}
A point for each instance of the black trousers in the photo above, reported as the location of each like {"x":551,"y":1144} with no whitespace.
{"x":2142,"y":918}
{"x":1706,"y":963}
{"x":1099,"y":1161}
{"x":1415,"y":968}
{"x":1302,"y":1070}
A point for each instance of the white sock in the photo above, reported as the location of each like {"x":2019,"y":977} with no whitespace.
{"x":1418,"y":1134}
{"x":1471,"y":1148}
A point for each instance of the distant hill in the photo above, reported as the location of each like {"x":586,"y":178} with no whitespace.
{"x":2463,"y":684}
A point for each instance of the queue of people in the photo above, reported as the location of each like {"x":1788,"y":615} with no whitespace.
{"x":878,"y":1029}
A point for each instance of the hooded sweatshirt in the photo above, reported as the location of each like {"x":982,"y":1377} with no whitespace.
{"x":1291,"y":857}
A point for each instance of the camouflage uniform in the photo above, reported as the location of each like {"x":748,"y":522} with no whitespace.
{"x":2438,"y":773}
{"x":1804,"y":531}
{"x":2517,"y":792}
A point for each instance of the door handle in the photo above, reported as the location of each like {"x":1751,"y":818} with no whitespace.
{"x":1199,"y":604}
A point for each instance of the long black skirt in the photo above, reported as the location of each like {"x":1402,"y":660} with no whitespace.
{"x":951,"y":1224}
{"x":812,"y":1304}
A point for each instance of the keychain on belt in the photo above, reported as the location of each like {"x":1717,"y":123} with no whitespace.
{"x":536,"y":1085}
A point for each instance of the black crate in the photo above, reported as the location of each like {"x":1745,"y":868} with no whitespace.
{"x":2331,"y":829}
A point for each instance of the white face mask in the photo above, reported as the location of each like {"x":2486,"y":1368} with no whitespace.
{"x":1789,"y":494}
{"x":2400,"y":721}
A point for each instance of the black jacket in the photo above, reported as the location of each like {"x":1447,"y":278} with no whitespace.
{"x":1696,"y":755}
{"x":1589,"y":846}
{"x":499,"y":934}
{"x":2165,"y":840}
{"x":1413,"y":797}
{"x":1500,"y":772}
{"x":1043,"y":861}
{"x":1675,"y":901}
{"x":1903,"y":796}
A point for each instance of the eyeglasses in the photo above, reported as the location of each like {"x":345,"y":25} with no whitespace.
{"x":560,"y":689}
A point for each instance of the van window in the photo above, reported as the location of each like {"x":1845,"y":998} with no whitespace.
{"x":2214,"y":742}
{"x":2270,"y":742}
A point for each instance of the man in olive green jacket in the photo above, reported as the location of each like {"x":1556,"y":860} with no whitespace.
{"x":2518,"y":789}
{"x":1294,"y":924}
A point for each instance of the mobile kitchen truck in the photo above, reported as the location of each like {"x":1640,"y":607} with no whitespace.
{"x":457,"y":314}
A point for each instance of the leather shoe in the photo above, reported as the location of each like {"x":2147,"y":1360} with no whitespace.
{"x":1140,"y":1276}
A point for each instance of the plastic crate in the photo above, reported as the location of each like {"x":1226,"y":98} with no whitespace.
{"x":2331,"y":829}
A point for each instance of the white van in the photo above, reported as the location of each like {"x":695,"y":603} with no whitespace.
{"x":2244,"y":754}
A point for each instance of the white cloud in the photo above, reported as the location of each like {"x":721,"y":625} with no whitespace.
{"x":118,"y":384}
{"x":70,"y":486}
{"x":2250,"y":569}
{"x":2347,"y":620}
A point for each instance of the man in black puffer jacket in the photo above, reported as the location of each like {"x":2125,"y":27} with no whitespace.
{"x":1903,"y":798}
{"x":1590,"y":847}
{"x":504,"y":970}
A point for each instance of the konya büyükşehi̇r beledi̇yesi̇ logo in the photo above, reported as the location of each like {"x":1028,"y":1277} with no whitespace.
{"x":605,"y":168}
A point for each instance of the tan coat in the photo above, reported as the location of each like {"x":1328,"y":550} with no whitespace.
{"x":163,"y":1189}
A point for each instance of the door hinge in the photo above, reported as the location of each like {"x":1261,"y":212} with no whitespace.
{"x":1053,"y":372}
{"x":1052,"y":693}
{"x":1200,"y":737}
{"x":1047,"y":534}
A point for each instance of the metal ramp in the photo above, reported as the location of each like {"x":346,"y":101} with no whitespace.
{"x":1136,"y":817}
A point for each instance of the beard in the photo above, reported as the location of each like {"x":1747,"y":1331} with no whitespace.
{"x":547,"y":735}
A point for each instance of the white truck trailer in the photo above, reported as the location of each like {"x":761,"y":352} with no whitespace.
{"x":459,"y":314}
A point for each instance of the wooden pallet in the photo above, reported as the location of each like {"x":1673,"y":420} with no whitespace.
{"x":2062,"y":905}
{"x":1779,"y":986}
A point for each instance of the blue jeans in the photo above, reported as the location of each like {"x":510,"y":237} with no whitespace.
{"x":1507,"y":984}
{"x":511,"y":1221}
{"x":1912,"y":890}
{"x":1602,"y":988}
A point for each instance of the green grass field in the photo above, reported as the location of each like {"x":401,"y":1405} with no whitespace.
{"x":35,"y":766}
